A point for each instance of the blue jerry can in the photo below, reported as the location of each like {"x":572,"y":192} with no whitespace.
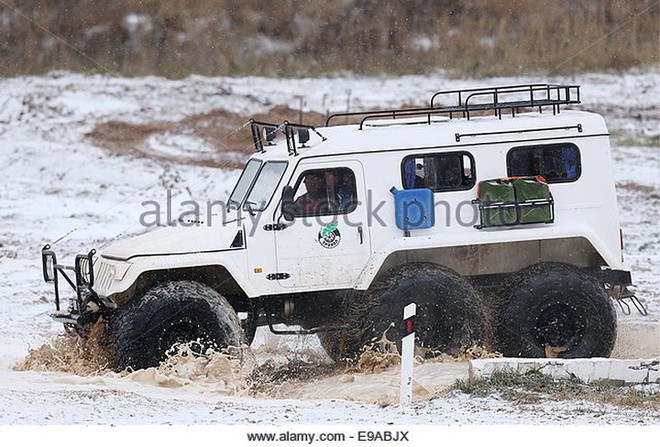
{"x":413,"y":208}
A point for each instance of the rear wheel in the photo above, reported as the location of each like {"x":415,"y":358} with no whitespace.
{"x":554,"y":310}
{"x":169,"y":314}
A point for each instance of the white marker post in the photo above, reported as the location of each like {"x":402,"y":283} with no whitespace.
{"x":407,"y":353}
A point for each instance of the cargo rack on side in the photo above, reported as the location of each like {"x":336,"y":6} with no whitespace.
{"x":508,"y":97}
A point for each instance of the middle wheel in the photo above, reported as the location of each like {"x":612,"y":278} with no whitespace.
{"x":449,"y":316}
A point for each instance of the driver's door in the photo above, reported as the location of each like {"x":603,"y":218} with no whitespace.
{"x":325,"y":247}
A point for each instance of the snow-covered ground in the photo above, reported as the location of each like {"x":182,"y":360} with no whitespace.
{"x":57,"y":183}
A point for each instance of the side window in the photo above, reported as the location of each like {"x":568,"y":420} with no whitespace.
{"x":556,"y":163}
{"x":323,"y":192}
{"x":453,"y":171}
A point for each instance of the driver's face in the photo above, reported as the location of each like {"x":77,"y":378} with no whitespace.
{"x":314,"y":184}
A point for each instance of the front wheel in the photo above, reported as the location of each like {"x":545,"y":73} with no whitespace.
{"x":173,"y":313}
{"x":554,"y":310}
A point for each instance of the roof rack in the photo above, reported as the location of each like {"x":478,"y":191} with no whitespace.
{"x":511,"y":97}
{"x":496,"y":99}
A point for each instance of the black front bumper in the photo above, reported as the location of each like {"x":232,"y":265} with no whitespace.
{"x":80,"y":276}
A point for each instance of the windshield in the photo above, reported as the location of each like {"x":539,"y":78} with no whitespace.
{"x":265,"y":185}
{"x":243,"y":186}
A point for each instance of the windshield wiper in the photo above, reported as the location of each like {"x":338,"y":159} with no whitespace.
{"x":231,"y":201}
{"x":249,"y":205}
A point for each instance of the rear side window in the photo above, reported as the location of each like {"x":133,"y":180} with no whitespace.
{"x":556,"y":163}
{"x":452,"y":171}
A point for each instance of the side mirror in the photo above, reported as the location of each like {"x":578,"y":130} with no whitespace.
{"x":303,"y":136}
{"x":270,"y":134}
{"x":288,"y":208}
{"x":48,"y":263}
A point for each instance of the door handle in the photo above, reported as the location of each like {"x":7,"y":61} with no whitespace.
{"x":361,"y":234}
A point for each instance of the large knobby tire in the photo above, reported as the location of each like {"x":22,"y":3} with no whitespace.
{"x":249,"y":325}
{"x":449,"y":316}
{"x":555,"y":310}
{"x":170,"y":313}
{"x":346,"y":344}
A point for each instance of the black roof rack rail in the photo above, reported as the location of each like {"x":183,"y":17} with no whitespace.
{"x":392,"y":113}
{"x":508,"y":97}
{"x":460,"y":93}
{"x":458,"y":136}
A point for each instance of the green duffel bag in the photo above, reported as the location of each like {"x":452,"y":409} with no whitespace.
{"x":534,"y":200}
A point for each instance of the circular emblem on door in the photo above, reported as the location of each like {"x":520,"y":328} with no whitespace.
{"x":329,"y":236}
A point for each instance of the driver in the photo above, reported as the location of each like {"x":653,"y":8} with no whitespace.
{"x":310,"y":202}
{"x":326,"y":193}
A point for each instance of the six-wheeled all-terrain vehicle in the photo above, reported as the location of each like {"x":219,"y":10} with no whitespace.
{"x":491,"y":210}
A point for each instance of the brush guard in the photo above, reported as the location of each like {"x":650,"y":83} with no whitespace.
{"x":86,"y":306}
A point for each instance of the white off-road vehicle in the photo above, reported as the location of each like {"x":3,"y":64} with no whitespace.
{"x":491,"y":210}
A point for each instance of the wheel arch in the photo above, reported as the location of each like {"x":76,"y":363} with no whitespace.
{"x":216,"y":277}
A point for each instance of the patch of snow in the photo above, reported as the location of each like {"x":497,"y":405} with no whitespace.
{"x":56,"y":185}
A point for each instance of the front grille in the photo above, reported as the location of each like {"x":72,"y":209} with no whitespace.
{"x":83,"y":268}
{"x":104,"y":276}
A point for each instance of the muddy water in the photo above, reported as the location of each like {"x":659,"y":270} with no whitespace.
{"x":271,"y":370}
{"x":279,"y":370}
{"x":91,"y":357}
{"x":69,"y":354}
